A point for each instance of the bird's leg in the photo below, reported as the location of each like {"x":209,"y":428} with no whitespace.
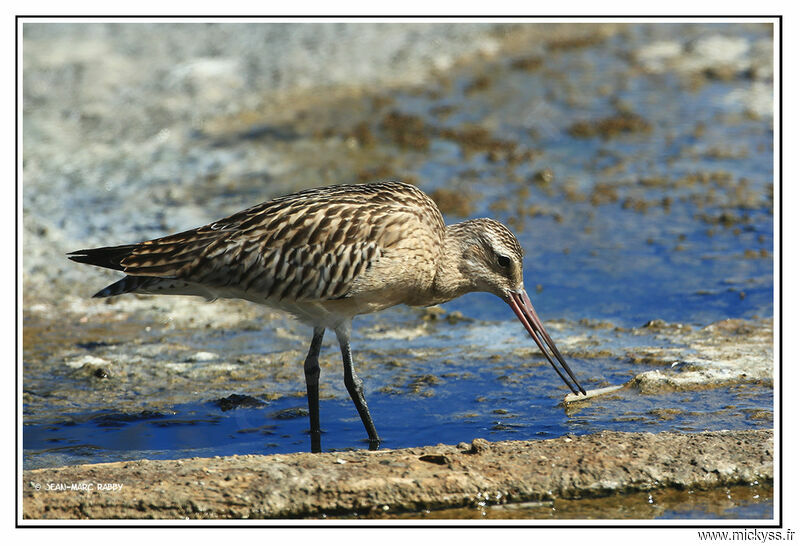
{"x":355,"y":386}
{"x":311,"y":368}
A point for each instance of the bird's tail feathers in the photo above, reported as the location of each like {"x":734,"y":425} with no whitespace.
{"x":107,"y":256}
{"x":124,"y":286}
{"x":156,"y":285}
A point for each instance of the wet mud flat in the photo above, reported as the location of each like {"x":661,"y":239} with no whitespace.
{"x":186,"y":391}
{"x":405,"y":482}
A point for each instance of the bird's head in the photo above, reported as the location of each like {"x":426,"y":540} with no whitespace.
{"x":491,"y":256}
{"x":491,"y":261}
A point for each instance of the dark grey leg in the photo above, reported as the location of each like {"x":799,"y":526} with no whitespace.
{"x":311,"y":367}
{"x":356,"y":387}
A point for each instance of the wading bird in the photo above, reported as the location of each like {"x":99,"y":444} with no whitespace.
{"x":326,"y":255}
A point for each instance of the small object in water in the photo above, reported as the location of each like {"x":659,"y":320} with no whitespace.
{"x":592,"y":393}
{"x":326,"y":255}
{"x":235,"y":401}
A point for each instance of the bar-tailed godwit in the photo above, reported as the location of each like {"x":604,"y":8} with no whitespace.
{"x":326,"y":255}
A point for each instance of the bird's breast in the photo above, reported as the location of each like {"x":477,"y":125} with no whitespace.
{"x":399,"y":275}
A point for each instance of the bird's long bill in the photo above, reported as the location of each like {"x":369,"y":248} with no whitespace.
{"x":523,"y":308}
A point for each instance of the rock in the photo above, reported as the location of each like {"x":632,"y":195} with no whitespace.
{"x":403,"y":480}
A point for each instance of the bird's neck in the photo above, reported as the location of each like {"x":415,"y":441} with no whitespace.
{"x":451,"y":281}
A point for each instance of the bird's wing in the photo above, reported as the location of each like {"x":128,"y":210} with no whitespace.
{"x":307,"y":246}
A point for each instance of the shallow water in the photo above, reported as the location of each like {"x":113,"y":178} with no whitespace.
{"x":676,"y":261}
{"x":738,"y":502}
{"x":671,"y":219}
{"x":448,"y":384}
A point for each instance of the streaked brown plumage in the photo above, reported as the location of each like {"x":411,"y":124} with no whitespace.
{"x":328,"y":254}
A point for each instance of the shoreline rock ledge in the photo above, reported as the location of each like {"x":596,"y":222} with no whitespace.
{"x":365,"y":483}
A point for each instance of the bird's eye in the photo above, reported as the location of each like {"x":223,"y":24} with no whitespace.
{"x":504,"y":261}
